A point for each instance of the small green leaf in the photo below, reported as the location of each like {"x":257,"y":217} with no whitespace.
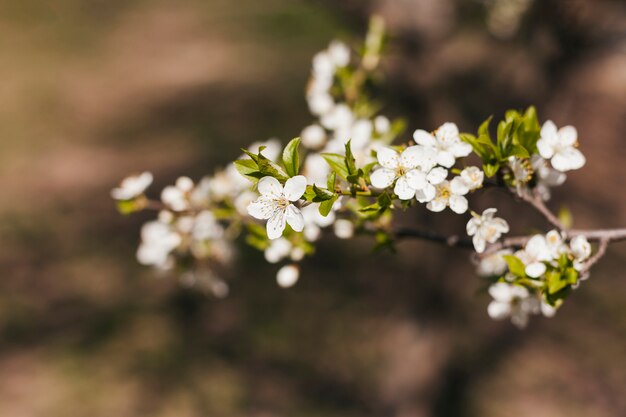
{"x":516,"y":266}
{"x":269,"y":168}
{"x":483,"y":129}
{"x":566,"y":217}
{"x":330,"y":182}
{"x":248,"y":168}
{"x":291,"y":158}
{"x":555,"y":283}
{"x":571,"y":276}
{"x":327,"y":206}
{"x":322,"y":194}
{"x":491,"y":169}
{"x":337,"y":163}
{"x":350,"y":161}
{"x":127,"y":206}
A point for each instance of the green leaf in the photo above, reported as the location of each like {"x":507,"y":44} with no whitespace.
{"x":566,"y":217}
{"x":384,"y":200}
{"x":516,"y":266}
{"x":127,"y":206}
{"x":327,"y":206}
{"x":272,"y":169}
{"x":350,"y":161}
{"x":491,"y":169}
{"x":337,"y":163}
{"x":330,"y":182}
{"x":248,"y":168}
{"x":571,"y":276}
{"x":555,"y":283}
{"x":483,"y":129}
{"x":322,"y":194}
{"x":518,"y":151}
{"x":291,"y":158}
{"x":254,"y":156}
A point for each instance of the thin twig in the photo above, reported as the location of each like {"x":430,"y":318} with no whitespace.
{"x":535,"y":200}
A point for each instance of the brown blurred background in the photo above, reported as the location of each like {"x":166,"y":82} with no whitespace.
{"x":93,"y":90}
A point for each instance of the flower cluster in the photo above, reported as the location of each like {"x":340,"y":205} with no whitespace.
{"x":536,"y":278}
{"x":350,"y":172}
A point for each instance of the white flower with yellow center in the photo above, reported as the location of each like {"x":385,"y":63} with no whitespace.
{"x":176,"y":197}
{"x":132,"y":187}
{"x":534,"y":255}
{"x":408,"y":169}
{"x":580,"y":249}
{"x":559,"y":146}
{"x":486,"y":228}
{"x":446,"y":142}
{"x":512,"y":301}
{"x":450,"y":194}
{"x":275,"y":204}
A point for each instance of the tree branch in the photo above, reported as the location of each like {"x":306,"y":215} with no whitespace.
{"x":532,"y":198}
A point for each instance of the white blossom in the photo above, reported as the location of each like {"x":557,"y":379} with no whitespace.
{"x":277,"y":250}
{"x":176,"y":197}
{"x":546,"y":177}
{"x":486,"y":228}
{"x":493,"y":265}
{"x":314,"y":221}
{"x":382,"y":124}
{"x":473,"y":177}
{"x":513,"y":301}
{"x":158,"y":240}
{"x":206,"y":227}
{"x":320,"y":103}
{"x":446,"y":141}
{"x":288,"y":275}
{"x":559,"y":146}
{"x":450,"y":193}
{"x":535,"y":253}
{"x":313,"y":136}
{"x":406,"y":169}
{"x":344,"y":229}
{"x":581,"y":251}
{"x":274,"y":204}
{"x":132,"y":187}
{"x":339,"y":53}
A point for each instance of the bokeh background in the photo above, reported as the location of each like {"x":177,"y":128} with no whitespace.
{"x":93,"y":90}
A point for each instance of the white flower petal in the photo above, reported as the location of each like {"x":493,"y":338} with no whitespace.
{"x":293,"y":216}
{"x":458,"y":186}
{"x":498,"y":311}
{"x":262,"y":208}
{"x":422,"y":137}
{"x":545,"y":148}
{"x":416,"y":179}
{"x":472,"y":226}
{"x":458,"y":204}
{"x":388,"y":158}
{"x":403,"y":190}
{"x":549,"y":131}
{"x":536,"y":269}
{"x":426,"y":194}
{"x":447,"y":132}
{"x":437,"y":175}
{"x":502,"y":292}
{"x":276,"y":225}
{"x":295,"y":187}
{"x":412,"y":157}
{"x":567,"y":136}
{"x":383,"y":177}
{"x":270,"y":187}
{"x":445,"y":159}
{"x":287,"y":276}
{"x":436,"y":205}
{"x":479,"y":243}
